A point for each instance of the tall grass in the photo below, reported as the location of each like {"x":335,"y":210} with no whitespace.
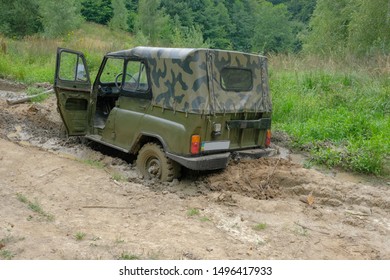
{"x":338,"y":110}
{"x":33,"y":59}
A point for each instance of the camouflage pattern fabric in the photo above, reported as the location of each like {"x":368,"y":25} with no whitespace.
{"x":189,"y":80}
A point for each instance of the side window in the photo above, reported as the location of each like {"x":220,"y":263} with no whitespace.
{"x":136,"y":77}
{"x":112,"y":72}
{"x":236,"y":79}
{"x":72,"y":67}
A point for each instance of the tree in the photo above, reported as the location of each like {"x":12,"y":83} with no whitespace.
{"x":181,"y":10}
{"x":369,"y":29}
{"x":119,"y":19}
{"x":59,"y":18}
{"x":243,"y":17}
{"x":300,"y":10}
{"x":19,"y":18}
{"x":329,"y":27}
{"x":152,"y":21}
{"x":99,"y":11}
{"x":216,"y":24}
{"x":132,"y":7}
{"x":273,"y":30}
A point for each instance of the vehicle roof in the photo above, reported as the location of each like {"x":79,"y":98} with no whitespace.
{"x":189,"y":79}
{"x":168,"y":53}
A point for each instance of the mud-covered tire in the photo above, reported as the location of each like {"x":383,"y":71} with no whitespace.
{"x":153,"y":164}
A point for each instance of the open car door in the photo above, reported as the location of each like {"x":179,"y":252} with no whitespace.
{"x":72,"y":86}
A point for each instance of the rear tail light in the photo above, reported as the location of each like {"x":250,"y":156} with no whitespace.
{"x":195,"y":144}
{"x":268,"y":138}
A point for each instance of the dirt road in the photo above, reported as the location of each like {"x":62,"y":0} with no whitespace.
{"x":64,"y":199}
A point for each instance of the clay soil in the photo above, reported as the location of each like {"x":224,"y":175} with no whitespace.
{"x":65,"y":198}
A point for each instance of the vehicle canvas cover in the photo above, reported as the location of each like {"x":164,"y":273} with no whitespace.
{"x":189,"y":80}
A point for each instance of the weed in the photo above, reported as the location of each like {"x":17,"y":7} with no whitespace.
{"x":127,"y":256}
{"x":308,"y":164}
{"x":93,"y":163}
{"x":35,"y":91}
{"x":193,"y":212}
{"x":6,"y":255}
{"x":22,"y":198}
{"x":80,"y":235}
{"x":119,"y":240}
{"x":118,"y":177}
{"x":204,"y":219}
{"x":260,"y":226}
{"x":35,"y":207}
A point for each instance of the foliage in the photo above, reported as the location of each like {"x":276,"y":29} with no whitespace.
{"x":19,"y":18}
{"x":216,"y":24}
{"x":59,"y":18}
{"x":260,"y":226}
{"x":119,"y":20}
{"x":273,"y":31}
{"x":338,"y":111}
{"x":345,"y":26}
{"x":152,"y":21}
{"x":32,"y":59}
{"x":98,"y":11}
{"x":80,"y":235}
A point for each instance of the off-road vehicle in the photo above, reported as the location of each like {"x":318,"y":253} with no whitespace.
{"x":170,"y":107}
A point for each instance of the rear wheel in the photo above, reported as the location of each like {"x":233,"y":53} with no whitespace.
{"x":153,"y":164}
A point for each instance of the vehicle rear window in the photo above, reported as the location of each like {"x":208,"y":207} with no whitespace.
{"x":236,"y":79}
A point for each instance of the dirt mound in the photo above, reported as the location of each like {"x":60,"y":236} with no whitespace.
{"x":253,"y":178}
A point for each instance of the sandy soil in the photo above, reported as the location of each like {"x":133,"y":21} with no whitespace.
{"x":67,"y":199}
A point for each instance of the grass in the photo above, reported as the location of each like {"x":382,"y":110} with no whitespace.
{"x":80,"y":235}
{"x":128,"y":256}
{"x":35,"y":207}
{"x":94,"y":163}
{"x":32,"y":59}
{"x":338,"y":112}
{"x":6,"y":255}
{"x":118,"y":177}
{"x":40,"y":97}
{"x":260,"y":226}
{"x":193,"y":212}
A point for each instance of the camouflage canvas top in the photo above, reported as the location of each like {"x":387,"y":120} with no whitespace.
{"x":204,"y":80}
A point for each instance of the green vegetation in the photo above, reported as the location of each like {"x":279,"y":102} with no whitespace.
{"x":337,"y":110}
{"x":34,"y":206}
{"x":80,"y":235}
{"x":32,"y":59}
{"x":344,"y":27}
{"x":6,"y":255}
{"x":94,"y":163}
{"x":260,"y":226}
{"x":127,"y":256}
{"x":193,"y":212}
{"x":118,"y":177}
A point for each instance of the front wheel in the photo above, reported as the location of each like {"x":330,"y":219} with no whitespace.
{"x":153,"y":164}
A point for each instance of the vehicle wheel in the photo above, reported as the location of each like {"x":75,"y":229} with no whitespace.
{"x":152,"y":163}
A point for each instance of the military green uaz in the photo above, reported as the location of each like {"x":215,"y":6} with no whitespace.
{"x":170,"y":107}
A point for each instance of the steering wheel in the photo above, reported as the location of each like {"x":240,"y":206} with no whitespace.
{"x":119,"y":75}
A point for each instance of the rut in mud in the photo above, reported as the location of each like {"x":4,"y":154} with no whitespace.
{"x":254,"y":209}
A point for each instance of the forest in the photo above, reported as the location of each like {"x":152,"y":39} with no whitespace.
{"x":276,"y":26}
{"x":329,"y":60}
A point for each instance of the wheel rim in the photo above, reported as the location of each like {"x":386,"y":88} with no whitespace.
{"x":153,"y":167}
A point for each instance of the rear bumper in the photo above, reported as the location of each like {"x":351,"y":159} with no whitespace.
{"x":218,"y":161}
{"x":256,"y":153}
{"x":207,"y":162}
